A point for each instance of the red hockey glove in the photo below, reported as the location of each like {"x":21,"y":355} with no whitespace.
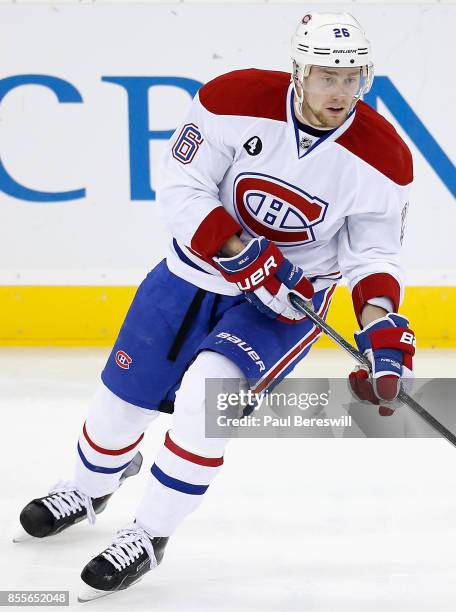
{"x":389,"y":345}
{"x":266,"y":277}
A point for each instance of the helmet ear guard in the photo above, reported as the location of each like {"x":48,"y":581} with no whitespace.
{"x":334,"y":40}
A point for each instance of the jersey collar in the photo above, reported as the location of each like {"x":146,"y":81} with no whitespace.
{"x":328,"y":137}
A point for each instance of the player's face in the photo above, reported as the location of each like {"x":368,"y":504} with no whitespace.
{"x":328,"y":95}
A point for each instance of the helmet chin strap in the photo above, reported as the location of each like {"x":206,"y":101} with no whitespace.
{"x":299,"y":99}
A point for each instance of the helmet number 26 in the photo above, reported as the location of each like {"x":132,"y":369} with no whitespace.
{"x":341,"y":32}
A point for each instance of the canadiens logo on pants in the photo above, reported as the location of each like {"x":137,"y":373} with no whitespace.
{"x":123,"y":360}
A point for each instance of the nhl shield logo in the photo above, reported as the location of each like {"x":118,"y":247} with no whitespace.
{"x":305,"y":142}
{"x":123,"y":360}
{"x":269,"y":207}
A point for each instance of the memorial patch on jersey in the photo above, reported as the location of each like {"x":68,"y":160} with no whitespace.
{"x":253,"y":146}
{"x":187,"y":144}
{"x":269,"y":207}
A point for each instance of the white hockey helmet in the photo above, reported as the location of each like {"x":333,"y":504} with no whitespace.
{"x":336,"y":40}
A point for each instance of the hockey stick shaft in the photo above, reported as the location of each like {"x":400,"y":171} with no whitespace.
{"x":303,"y":306}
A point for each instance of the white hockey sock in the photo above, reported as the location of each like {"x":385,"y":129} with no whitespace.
{"x":188,"y":461}
{"x":110,"y":438}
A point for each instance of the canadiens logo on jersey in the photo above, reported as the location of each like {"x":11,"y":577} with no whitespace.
{"x":269,"y":207}
{"x":123,"y":360}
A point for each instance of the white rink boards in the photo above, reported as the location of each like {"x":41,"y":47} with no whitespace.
{"x":91,"y":143}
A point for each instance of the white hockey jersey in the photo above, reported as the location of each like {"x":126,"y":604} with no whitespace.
{"x":335,"y":208}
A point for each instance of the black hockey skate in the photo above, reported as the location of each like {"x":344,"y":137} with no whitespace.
{"x":132,"y":554}
{"x":65,"y":506}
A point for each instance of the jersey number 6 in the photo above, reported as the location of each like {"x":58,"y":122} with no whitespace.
{"x":187,"y":144}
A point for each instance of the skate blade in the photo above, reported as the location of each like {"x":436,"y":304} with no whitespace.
{"x":20,"y":535}
{"x":89,"y":594}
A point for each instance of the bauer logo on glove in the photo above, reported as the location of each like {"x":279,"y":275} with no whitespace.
{"x":266,"y":277}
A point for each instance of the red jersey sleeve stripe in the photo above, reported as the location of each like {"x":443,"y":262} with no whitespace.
{"x":184,"y":454}
{"x":213,"y":232}
{"x":375,"y":285}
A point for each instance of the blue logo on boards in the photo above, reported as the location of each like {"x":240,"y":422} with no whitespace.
{"x":140,"y":136}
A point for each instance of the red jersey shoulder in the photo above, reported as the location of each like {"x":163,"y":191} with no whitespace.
{"x":372,"y":138}
{"x":251,"y":93}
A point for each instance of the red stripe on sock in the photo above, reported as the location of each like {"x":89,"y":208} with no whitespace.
{"x":184,"y":454}
{"x":106,"y":451}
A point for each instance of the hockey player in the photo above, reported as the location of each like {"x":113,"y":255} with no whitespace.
{"x":268,"y":187}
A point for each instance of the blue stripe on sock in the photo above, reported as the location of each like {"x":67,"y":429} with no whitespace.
{"x":177,"y":485}
{"x":97,"y":468}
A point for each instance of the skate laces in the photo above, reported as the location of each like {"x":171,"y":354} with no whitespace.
{"x":65,"y":499}
{"x":128,"y":545}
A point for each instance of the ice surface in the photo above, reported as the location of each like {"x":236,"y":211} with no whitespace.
{"x":318,"y":525}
